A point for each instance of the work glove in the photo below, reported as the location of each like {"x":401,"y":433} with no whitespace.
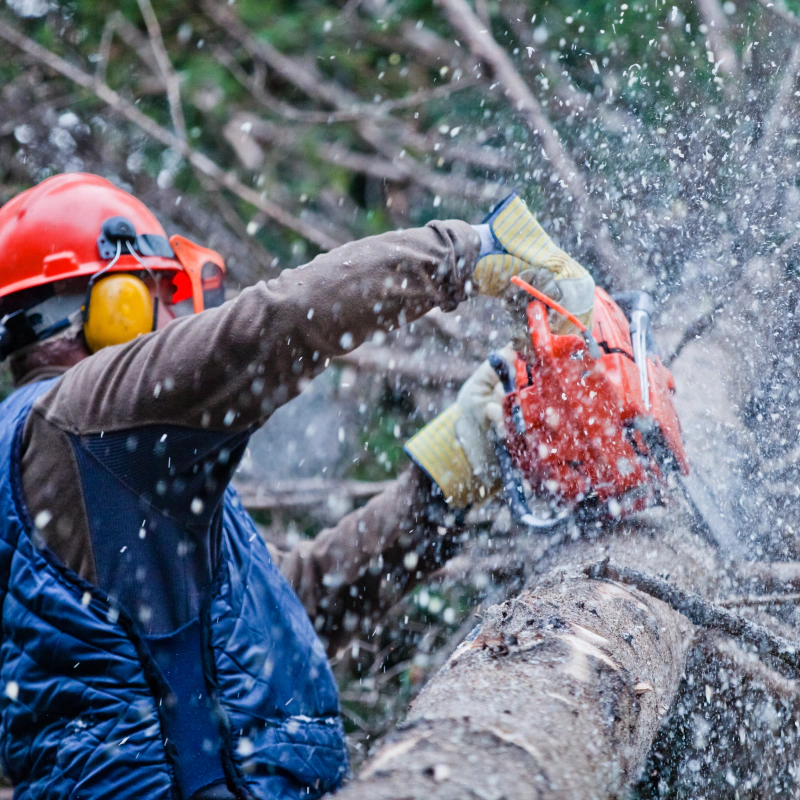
{"x":514,"y":243}
{"x":457,"y":448}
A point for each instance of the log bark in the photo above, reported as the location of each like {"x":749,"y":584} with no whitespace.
{"x":561,"y":690}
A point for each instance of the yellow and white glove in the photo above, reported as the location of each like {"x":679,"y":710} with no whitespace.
{"x":514,"y":243}
{"x":457,"y":448}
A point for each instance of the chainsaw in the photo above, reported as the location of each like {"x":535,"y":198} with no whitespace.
{"x":591,"y":430}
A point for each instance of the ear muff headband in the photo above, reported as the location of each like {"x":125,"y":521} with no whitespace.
{"x":118,"y":309}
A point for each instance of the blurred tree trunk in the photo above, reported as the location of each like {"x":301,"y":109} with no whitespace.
{"x":561,"y":691}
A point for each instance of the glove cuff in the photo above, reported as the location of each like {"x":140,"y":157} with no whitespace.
{"x":520,"y":233}
{"x":437,"y":450}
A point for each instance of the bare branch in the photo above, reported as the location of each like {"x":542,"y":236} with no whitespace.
{"x":706,"y":322}
{"x":754,"y":669}
{"x":482,"y":10}
{"x":104,"y":50}
{"x":778,"y":110}
{"x":714,"y":18}
{"x":304,"y":77}
{"x":165,"y":67}
{"x":695,"y":330}
{"x":582,"y":103}
{"x":389,"y":362}
{"x":119,"y":24}
{"x":315,"y":86}
{"x":765,"y":164}
{"x":360,"y":111}
{"x":437,"y":182}
{"x":484,"y":46}
{"x":172,"y":83}
{"x":782,"y":14}
{"x":244,"y":131}
{"x":780,"y":576}
{"x":227,"y":180}
{"x":285,"y":110}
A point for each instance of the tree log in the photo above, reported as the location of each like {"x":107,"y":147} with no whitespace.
{"x":561,"y":691}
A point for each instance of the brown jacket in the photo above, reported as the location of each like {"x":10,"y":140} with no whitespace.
{"x":221,"y":374}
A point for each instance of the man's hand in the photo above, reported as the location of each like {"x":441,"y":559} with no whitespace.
{"x":457,"y":449}
{"x":514,"y":243}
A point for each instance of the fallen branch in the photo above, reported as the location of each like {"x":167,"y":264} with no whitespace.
{"x":695,"y":330}
{"x":202,"y":162}
{"x":755,"y":670}
{"x":310,"y":492}
{"x":700,"y":612}
{"x":773,"y":577}
{"x":759,"y":600}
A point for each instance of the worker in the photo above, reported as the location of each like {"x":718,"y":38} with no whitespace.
{"x":150,"y":646}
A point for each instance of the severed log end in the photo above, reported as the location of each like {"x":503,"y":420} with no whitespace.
{"x":701,"y":612}
{"x":559,"y":694}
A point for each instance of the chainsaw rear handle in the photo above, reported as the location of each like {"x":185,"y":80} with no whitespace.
{"x":513,"y":487}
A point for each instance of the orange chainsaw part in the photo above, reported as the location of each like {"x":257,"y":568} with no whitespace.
{"x":577,"y":428}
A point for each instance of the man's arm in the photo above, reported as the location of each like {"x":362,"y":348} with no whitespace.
{"x":230,"y":367}
{"x":349,"y":575}
{"x":221,"y":373}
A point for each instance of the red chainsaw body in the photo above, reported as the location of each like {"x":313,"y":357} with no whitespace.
{"x":588,"y":438}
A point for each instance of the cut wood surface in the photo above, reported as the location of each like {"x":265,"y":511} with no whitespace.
{"x":561,"y":691}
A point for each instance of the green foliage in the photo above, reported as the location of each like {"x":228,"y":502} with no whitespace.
{"x":388,"y":427}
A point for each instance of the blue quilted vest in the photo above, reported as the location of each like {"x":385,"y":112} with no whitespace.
{"x":79,"y":717}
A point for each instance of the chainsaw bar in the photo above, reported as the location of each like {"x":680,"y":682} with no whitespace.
{"x":709,"y":519}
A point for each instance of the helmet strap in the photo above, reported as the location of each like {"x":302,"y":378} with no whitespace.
{"x":93,"y":280}
{"x":155,"y":281}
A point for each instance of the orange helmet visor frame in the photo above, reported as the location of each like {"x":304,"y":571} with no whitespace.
{"x":192,"y":257}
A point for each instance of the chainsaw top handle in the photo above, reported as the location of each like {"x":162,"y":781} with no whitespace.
{"x":591,"y":342}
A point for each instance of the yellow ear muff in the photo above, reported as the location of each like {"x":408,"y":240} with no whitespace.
{"x":119,"y":308}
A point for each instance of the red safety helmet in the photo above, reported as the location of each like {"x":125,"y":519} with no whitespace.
{"x":75,"y":225}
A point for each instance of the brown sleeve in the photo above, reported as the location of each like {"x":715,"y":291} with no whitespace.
{"x":228,"y":368}
{"x":348,"y":576}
